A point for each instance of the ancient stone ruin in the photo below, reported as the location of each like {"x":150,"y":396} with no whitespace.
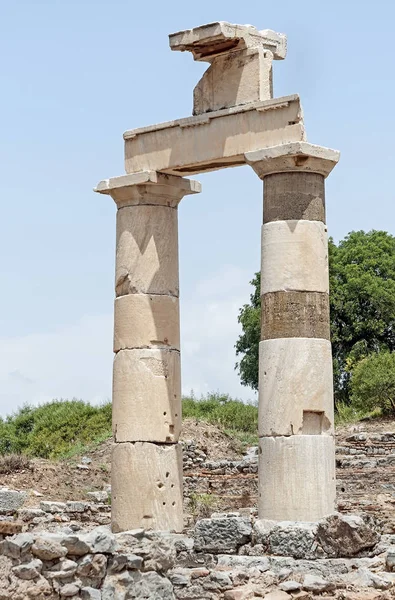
{"x":236,"y":121}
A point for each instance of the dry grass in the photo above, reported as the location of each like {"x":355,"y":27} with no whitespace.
{"x":12,"y":463}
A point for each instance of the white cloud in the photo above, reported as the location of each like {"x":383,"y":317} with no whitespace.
{"x":76,"y":361}
{"x":72,"y":361}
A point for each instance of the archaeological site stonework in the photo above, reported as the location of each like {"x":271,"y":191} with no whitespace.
{"x":236,"y":121}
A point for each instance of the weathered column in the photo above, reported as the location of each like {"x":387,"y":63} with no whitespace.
{"x":296,"y":443}
{"x":146,"y":476}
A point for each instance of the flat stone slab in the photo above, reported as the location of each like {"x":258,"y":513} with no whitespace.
{"x":208,"y":41}
{"x":213,"y":140}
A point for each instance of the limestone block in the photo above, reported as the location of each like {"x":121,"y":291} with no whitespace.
{"x":213,"y":140}
{"x":146,"y":484}
{"x":143,"y":320}
{"x":295,"y":314}
{"x":234,"y":79}
{"x":294,"y":257}
{"x":296,"y":477}
{"x":146,"y":250}
{"x":209,"y":41}
{"x":146,"y":396}
{"x":294,"y":196}
{"x":148,"y":187}
{"x":297,"y":156}
{"x":295,"y":387}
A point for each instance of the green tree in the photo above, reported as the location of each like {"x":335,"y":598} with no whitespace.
{"x":362,"y":302}
{"x":373,"y":383}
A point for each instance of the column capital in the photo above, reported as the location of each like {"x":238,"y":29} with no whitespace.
{"x":148,"y":187}
{"x":295,"y":156}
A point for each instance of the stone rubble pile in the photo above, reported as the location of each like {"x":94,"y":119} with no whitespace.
{"x":230,"y":556}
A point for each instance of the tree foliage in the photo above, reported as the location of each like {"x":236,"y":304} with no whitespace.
{"x":362,"y":303}
{"x":373,"y":383}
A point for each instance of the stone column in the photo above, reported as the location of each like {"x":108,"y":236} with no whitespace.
{"x":296,"y":429}
{"x":146,"y":476}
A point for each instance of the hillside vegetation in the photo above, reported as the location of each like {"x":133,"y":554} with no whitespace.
{"x":62,"y":428}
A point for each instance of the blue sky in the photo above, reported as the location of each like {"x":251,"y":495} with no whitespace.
{"x":75,"y":76}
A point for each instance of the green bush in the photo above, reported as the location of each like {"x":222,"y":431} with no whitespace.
{"x":51,"y":430}
{"x":221,"y":410}
{"x":373,"y":383}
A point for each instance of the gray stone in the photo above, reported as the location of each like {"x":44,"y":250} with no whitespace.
{"x":293,"y":539}
{"x":11,"y":500}
{"x":76,"y":545}
{"x":61,"y":570}
{"x":92,"y":566}
{"x":101,"y":541}
{"x":76,"y":507}
{"x":137,"y":586}
{"x":180,"y":577}
{"x":69,"y":590}
{"x":345,"y":535}
{"x":89,"y":593}
{"x":261,"y":563}
{"x":47,"y":549}
{"x":316,"y":584}
{"x":30,"y":570}
{"x":52,"y":507}
{"x":290,"y":586}
{"x":124,"y":561}
{"x":225,"y":534}
{"x":28,"y":514}
{"x":390,"y":559}
{"x":98,"y":497}
{"x":17,"y":545}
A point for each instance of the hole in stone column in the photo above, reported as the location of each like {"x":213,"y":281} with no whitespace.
{"x":165,"y":413}
{"x":171,"y":428}
{"x":173,"y":503}
{"x":164,"y":503}
{"x":167,"y":474}
{"x":260,"y":450}
{"x":160,"y":484}
{"x":176,"y":415}
{"x":342,"y":489}
{"x":312,"y":422}
{"x":172,"y":485}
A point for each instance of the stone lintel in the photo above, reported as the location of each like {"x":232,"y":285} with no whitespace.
{"x":124,"y":187}
{"x":296,"y":156}
{"x":214,"y":140}
{"x":209,"y":41}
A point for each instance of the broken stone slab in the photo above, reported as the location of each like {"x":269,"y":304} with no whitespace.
{"x":47,"y":549}
{"x":52,"y":507}
{"x":74,"y":506}
{"x":28,"y":514}
{"x":214,"y":140}
{"x":316,"y":584}
{"x":98,"y":497}
{"x":335,"y":536}
{"x":11,"y":500}
{"x":10,"y":527}
{"x":220,"y":535}
{"x":18,"y":545}
{"x":345,"y":535}
{"x":208,"y":41}
{"x":30,"y":570}
{"x":89,"y":593}
{"x":241,"y":63}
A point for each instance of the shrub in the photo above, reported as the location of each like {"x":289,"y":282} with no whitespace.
{"x":222,"y":410}
{"x":373,"y":383}
{"x":51,"y":430}
{"x":11,"y":463}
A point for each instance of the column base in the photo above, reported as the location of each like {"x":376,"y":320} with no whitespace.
{"x":146,"y":487}
{"x":296,"y":477}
